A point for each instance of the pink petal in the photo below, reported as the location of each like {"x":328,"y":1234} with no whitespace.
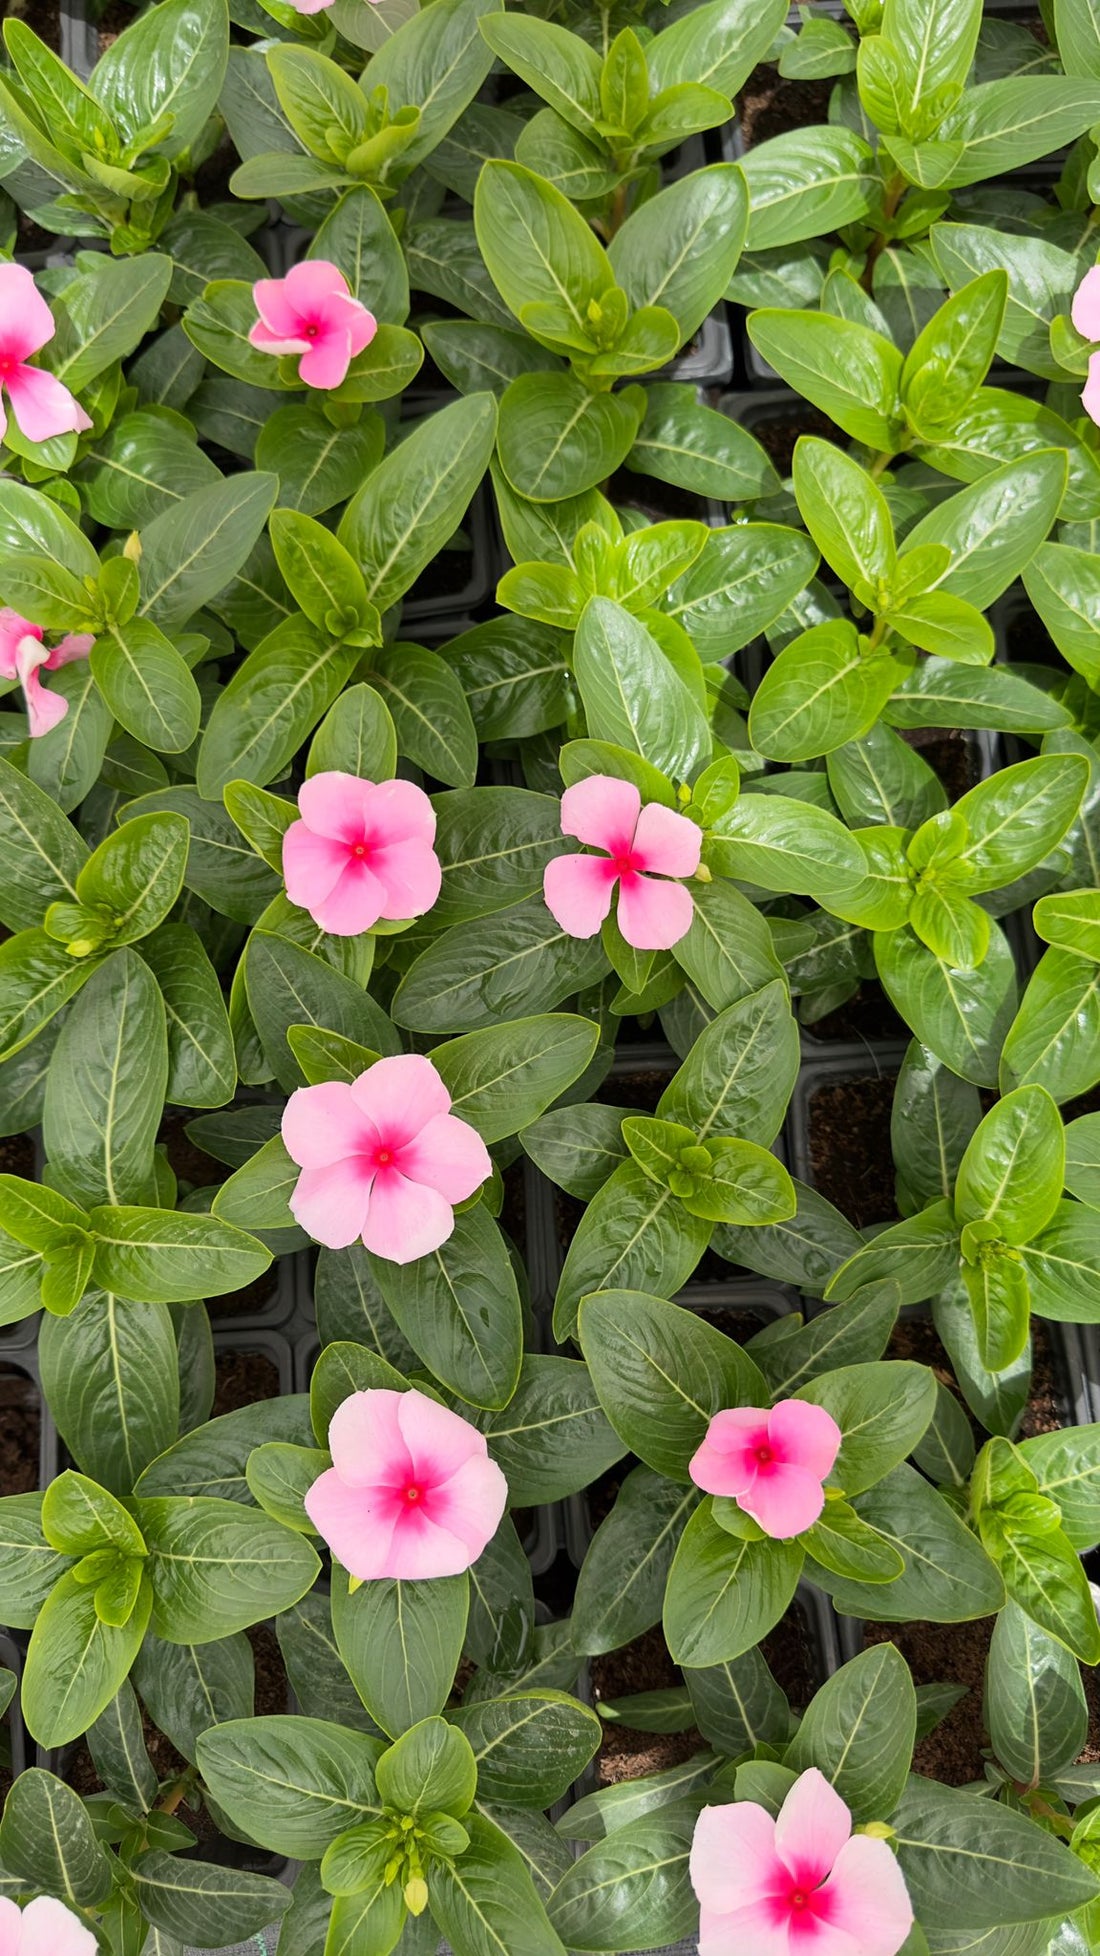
{"x":328,"y":359}
{"x":1090,"y":396}
{"x":337,"y":805}
{"x":1085,"y":310}
{"x":324,"y":1124}
{"x":784,"y":1500}
{"x":405,"y":1219}
{"x":362,"y":326}
{"x":353,"y":905}
{"x":26,"y":322}
{"x":280,"y":318}
{"x":314,"y":6}
{"x":804,"y":1435}
{"x":439,"y":1443}
{"x":366,"y":1441}
{"x":603,"y":811}
{"x":449,"y":1156}
{"x":726,"y":1462}
{"x":261,"y":337}
{"x":45,"y":710}
{"x":76,"y":645}
{"x":577,"y":891}
{"x":312,"y":284}
{"x":398,"y":811}
{"x":50,"y":1929}
{"x":42,"y":406}
{"x":733,"y":1857}
{"x":401,"y":1094}
{"x":420,"y":1550}
{"x":666,"y":842}
{"x":331,"y":1203}
{"x":13,"y":630}
{"x":312,"y":865}
{"x":469,"y":1506}
{"x":359,"y":1536}
{"x":812,"y":1827}
{"x":870,"y":1901}
{"x":411,"y":876}
{"x":653,"y":915}
{"x":11,"y":1922}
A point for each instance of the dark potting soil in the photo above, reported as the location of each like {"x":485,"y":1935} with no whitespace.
{"x":1046,"y":1410}
{"x":112,"y":18}
{"x":190,"y":1164}
{"x":736,"y":1324}
{"x":659,"y":500}
{"x":644,"y":1665}
{"x":949,"y":754}
{"x":17,"y":1155}
{"x":641,"y":1090}
{"x":44,"y":16}
{"x":241,"y":1303}
{"x":850,"y":1157}
{"x":792,"y":1656}
{"x":777,"y":433}
{"x":868,"y":1014}
{"x":241,"y":1379}
{"x":945,"y":1653}
{"x":513,"y":1211}
{"x":768,"y":105}
{"x":20,"y":1431}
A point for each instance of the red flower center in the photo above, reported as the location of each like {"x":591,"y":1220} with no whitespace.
{"x":384,"y":1157}
{"x":625,"y":864}
{"x":6,"y":365}
{"x":413,"y":1493}
{"x":799,"y":1899}
{"x":764,"y":1455}
{"x":312,"y":332}
{"x":360,"y":850}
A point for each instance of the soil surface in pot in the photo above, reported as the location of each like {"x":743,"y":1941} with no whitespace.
{"x":17,"y":1155}
{"x":20,"y":1431}
{"x":768,"y":105}
{"x":868,"y":1014}
{"x":778,"y":431}
{"x":644,"y":1665}
{"x":658,"y":500}
{"x":949,"y":754}
{"x":241,"y":1379}
{"x":191,"y":1165}
{"x":851,"y":1162}
{"x":242,"y":1303}
{"x":955,"y":1653}
{"x":44,"y":16}
{"x":1046,"y":1410}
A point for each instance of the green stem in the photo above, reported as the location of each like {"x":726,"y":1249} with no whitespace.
{"x":895,"y":191}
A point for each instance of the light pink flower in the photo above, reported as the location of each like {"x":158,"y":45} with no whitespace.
{"x":362,"y":850}
{"x":44,"y":1928}
{"x":411,"y":1492}
{"x":1085,"y":314}
{"x":312,"y":312}
{"x":801,"y":1885}
{"x":644,"y":847}
{"x":41,"y":405}
{"x":23,"y":656}
{"x":383,"y":1159}
{"x":773,"y":1464}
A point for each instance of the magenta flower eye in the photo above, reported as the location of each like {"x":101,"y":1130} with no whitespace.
{"x":313,"y":313}
{"x":41,"y":405}
{"x":383,"y":1159}
{"x":773,"y":1464}
{"x":644,"y":848}
{"x":411,"y":1493}
{"x":799,"y":1885}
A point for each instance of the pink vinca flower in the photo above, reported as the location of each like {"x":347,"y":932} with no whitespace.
{"x":773,"y":1464}
{"x":644,"y":846}
{"x":1085,"y":314}
{"x":362,"y":850}
{"x":44,"y":1928}
{"x":411,"y":1493}
{"x":799,"y":1885}
{"x":312,"y":312}
{"x":23,"y":656}
{"x":41,"y":405}
{"x":383,"y":1159}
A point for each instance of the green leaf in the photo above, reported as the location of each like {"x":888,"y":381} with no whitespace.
{"x":881,"y":1411}
{"x":76,"y":1661}
{"x":1061,"y":582}
{"x":859,"y":1730}
{"x":725,"y":1593}
{"x":632,"y":1890}
{"x":189,"y":554}
{"x":961,"y":1016}
{"x":993,"y":527}
{"x":147,"y":685}
{"x":1016,"y":817}
{"x":621,"y":1584}
{"x":202,"y":1898}
{"x":1036,"y":1703}
{"x":696,"y":448}
{"x":1004,"y":124}
{"x":106,"y":1086}
{"x":43,"y":852}
{"x":1013,"y":1170}
{"x":48,"y":1841}
{"x":504,"y":1077}
{"x":401,"y":1642}
{"x":111,"y":1379}
{"x":271,"y":705}
{"x":412,"y":503}
{"x":679,"y":248}
{"x":529,"y":1747}
{"x":435,"y":63}
{"x":1071,"y":921}
{"x":516,"y":962}
{"x":738,"y":1076}
{"x":289,"y":986}
{"x":202,"y":1069}
{"x":971,"y":1864}
{"x":948,"y":1576}
{"x":557,"y":439}
{"x":155,"y":1256}
{"x":172,"y":61}
{"x":850,"y":372}
{"x":293,"y":1784}
{"x":217,"y":1567}
{"x":430,"y":713}
{"x":104,"y":313}
{"x":459,"y":1308}
{"x":1061,"y":1265}
{"x":37,"y":977}
{"x":805,"y":183}
{"x":485,"y":1904}
{"x":820,"y":692}
{"x":950,"y":357}
{"x":632,"y":695}
{"x":661,"y":1373}
{"x":631,"y":1233}
{"x":1052,"y":1042}
{"x":553,"y":1437}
